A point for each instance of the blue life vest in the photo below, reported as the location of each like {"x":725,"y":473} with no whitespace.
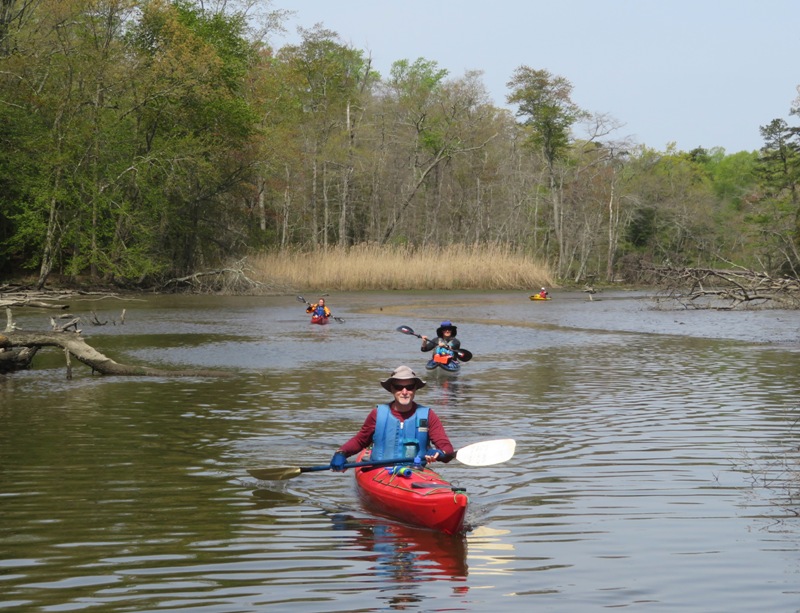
{"x":449,"y":348}
{"x":395,"y":440}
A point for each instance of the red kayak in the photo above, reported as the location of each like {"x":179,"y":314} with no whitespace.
{"x":319,"y":320}
{"x":415,"y":495}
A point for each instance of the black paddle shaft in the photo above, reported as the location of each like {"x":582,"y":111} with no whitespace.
{"x":338,"y":320}
{"x":462,"y":354}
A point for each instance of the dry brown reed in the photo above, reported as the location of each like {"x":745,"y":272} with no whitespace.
{"x":375,"y":267}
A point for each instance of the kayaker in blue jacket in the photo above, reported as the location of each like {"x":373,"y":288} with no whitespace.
{"x":319,"y":309}
{"x":445,"y":345}
{"x":401,"y":429}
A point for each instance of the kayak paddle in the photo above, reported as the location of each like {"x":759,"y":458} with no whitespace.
{"x":337,"y":319}
{"x":461,"y":354}
{"x":484,"y":453}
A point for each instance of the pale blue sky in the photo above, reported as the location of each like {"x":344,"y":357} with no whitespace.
{"x":697,"y":73}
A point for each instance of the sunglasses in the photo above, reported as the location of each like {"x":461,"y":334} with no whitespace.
{"x":411,"y":387}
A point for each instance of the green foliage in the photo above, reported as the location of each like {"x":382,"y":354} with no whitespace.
{"x":547,"y":108}
{"x":734,"y":177}
{"x":775,"y":212}
{"x":415,"y":83}
{"x":673,"y":218}
{"x":417,"y":89}
{"x":329,"y":71}
{"x":132,"y":161}
{"x":642,"y":228}
{"x":779,"y":164}
{"x":226,"y":34}
{"x":18,"y":176}
{"x":146,"y":138}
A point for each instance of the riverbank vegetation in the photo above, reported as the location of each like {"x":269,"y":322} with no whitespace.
{"x":149,"y":141}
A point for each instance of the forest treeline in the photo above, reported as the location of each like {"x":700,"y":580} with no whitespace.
{"x":148,"y":139}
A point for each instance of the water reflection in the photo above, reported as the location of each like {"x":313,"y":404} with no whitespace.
{"x":490,"y":551}
{"x":405,"y":554}
{"x":268,"y":498}
{"x":626,"y":489}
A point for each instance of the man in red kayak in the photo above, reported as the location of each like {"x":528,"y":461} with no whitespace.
{"x":401,"y":429}
{"x":319,"y":309}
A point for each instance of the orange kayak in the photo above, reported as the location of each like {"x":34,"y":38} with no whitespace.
{"x":412,"y":494}
{"x":319,"y":319}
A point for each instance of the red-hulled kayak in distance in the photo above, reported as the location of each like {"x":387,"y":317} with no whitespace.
{"x":422,"y":498}
{"x":319,"y":319}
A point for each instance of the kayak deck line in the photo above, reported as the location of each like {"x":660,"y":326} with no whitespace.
{"x":422,"y":486}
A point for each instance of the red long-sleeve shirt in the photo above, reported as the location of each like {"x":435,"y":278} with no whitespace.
{"x":436,"y":433}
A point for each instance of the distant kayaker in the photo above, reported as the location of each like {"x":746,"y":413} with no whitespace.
{"x":401,"y":429}
{"x":543,"y":294}
{"x":319,"y":309}
{"x":446,"y":344}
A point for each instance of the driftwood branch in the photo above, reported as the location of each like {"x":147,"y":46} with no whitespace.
{"x":229,"y":280}
{"x":17,"y":297}
{"x":725,"y":289}
{"x":96,"y":322}
{"x":72,"y":323}
{"x":16,"y":302}
{"x":18,"y":349}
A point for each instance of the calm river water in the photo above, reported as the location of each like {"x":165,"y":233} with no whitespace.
{"x":649,"y":473}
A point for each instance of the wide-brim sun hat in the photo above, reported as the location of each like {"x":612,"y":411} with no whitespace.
{"x":446,"y":325}
{"x":402,"y":373}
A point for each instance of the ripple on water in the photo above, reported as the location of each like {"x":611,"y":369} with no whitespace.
{"x":646,"y":474}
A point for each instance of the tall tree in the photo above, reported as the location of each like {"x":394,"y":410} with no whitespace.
{"x":194,"y":129}
{"x":140,"y":130}
{"x":777,"y":213}
{"x":545,"y":104}
{"x":333,"y":79}
{"x":66,"y":75}
{"x":436,"y":122}
{"x":277,"y":175}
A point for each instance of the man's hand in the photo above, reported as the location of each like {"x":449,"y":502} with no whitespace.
{"x":338,"y":461}
{"x":434,"y":454}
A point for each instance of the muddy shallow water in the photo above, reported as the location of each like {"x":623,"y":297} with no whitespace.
{"x":649,"y":472}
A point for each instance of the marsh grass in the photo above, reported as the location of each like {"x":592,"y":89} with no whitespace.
{"x":375,"y":267}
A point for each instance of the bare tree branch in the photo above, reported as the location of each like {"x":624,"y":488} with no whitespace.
{"x":708,"y":288}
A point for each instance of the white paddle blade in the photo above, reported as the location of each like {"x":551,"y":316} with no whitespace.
{"x":487,"y":453}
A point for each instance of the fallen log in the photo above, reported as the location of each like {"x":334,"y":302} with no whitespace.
{"x":724,"y":289}
{"x":229,"y":280}
{"x":22,"y":346}
{"x":18,"y":358}
{"x":31,"y":303}
{"x":18,"y":348}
